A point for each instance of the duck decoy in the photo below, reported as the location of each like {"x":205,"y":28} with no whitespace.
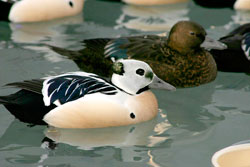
{"x":235,"y":4}
{"x":38,"y":10}
{"x":85,"y":100}
{"x":236,"y":58}
{"x":147,"y":2}
{"x":177,"y":59}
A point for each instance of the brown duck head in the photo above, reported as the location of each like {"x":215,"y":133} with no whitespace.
{"x":186,"y":36}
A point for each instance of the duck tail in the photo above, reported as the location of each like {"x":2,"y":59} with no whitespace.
{"x":71,"y":54}
{"x":26,"y":106}
{"x":4,"y":100}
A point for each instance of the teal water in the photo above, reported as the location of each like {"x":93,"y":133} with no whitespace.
{"x":193,"y":123}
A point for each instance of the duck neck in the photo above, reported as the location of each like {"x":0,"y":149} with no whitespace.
{"x":124,"y":85}
{"x":142,"y":90}
{"x":178,"y":47}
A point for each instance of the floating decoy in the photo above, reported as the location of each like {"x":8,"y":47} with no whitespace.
{"x":236,"y":58}
{"x":177,"y":59}
{"x":236,"y":4}
{"x":85,"y":100}
{"x":38,"y":10}
{"x":149,"y":2}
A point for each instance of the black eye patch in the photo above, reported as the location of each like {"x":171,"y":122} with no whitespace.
{"x":140,"y":71}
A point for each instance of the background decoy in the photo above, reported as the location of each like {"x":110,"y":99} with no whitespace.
{"x":236,"y":57}
{"x":235,"y":4}
{"x":38,"y":10}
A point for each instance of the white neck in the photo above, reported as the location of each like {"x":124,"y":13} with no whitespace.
{"x":124,"y":84}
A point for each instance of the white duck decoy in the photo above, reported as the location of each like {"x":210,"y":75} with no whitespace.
{"x":85,"y":100}
{"x":38,"y":10}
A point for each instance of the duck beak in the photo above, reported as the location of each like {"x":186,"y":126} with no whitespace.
{"x":158,"y":83}
{"x":210,"y":43}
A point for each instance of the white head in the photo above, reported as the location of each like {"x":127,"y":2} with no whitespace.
{"x":133,"y":75}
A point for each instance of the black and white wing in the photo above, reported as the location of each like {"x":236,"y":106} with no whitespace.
{"x":72,"y":86}
{"x":245,"y":45}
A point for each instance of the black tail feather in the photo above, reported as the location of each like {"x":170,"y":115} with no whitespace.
{"x":26,"y":106}
{"x":71,"y":54}
{"x":3,"y":100}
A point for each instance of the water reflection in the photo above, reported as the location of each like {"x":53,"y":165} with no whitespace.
{"x":40,"y":31}
{"x":209,"y":17}
{"x":24,"y":142}
{"x":189,"y":111}
{"x":114,"y":136}
{"x":133,"y":143}
{"x":149,"y":134}
{"x":188,"y":117}
{"x":241,"y":17}
{"x":151,"y":18}
{"x":232,"y":94}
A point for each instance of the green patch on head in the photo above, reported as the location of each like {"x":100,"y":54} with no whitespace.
{"x":117,"y":68}
{"x":149,"y":75}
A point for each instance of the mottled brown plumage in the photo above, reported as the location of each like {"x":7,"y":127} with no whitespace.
{"x":178,"y":59}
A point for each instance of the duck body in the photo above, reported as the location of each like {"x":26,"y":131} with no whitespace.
{"x":177,"y":59}
{"x":235,"y":4}
{"x":236,"y":57}
{"x":82,"y":100}
{"x":38,"y":10}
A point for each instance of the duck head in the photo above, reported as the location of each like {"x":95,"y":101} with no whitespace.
{"x":186,"y":36}
{"x":133,"y":76}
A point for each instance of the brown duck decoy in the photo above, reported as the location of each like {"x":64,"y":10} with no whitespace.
{"x":178,"y":59}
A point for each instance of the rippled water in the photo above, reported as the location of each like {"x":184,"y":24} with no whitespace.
{"x":193,"y":123}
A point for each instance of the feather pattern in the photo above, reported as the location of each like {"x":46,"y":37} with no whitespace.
{"x":246,"y":45}
{"x":112,"y":49}
{"x":137,"y":47}
{"x":72,"y":86}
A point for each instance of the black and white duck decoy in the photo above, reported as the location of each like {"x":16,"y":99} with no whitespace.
{"x":236,"y":58}
{"x":38,"y":10}
{"x":85,"y":100}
